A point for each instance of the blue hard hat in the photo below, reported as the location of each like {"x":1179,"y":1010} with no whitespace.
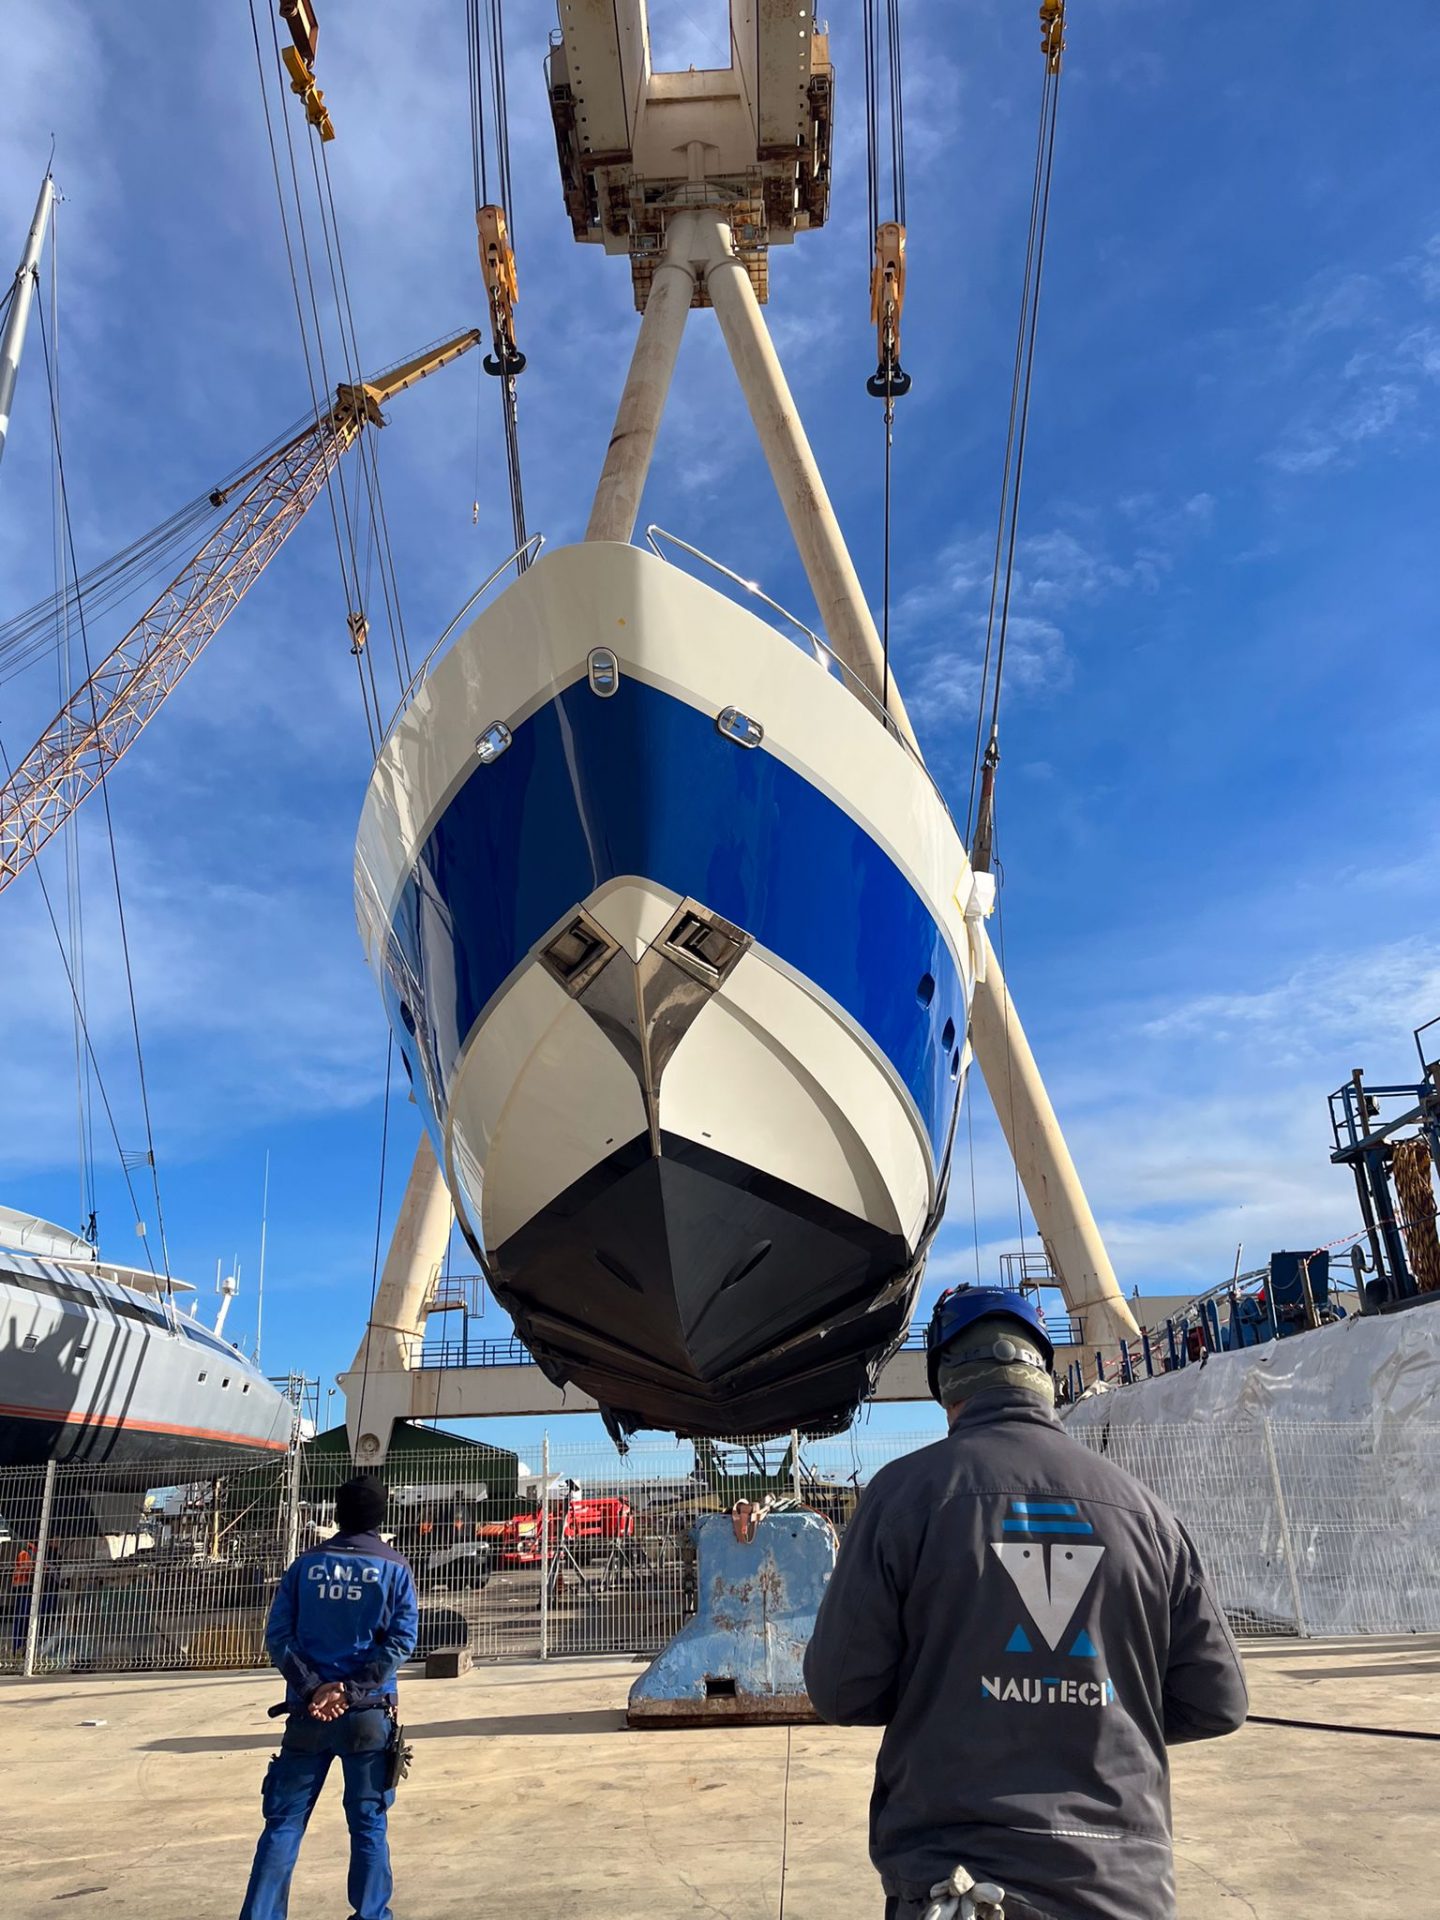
{"x":961,"y":1307}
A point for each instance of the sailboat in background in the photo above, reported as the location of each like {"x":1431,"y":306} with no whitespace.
{"x":98,"y":1364}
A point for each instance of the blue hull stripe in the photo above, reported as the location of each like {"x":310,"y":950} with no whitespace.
{"x":641,"y":784}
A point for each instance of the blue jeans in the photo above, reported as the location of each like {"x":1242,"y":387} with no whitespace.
{"x":292,"y":1786}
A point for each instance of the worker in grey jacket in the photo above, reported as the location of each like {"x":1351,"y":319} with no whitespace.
{"x":1033,"y":1629}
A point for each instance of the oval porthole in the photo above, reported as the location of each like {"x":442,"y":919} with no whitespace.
{"x":604,"y":671}
{"x":947,"y":1036}
{"x":925,"y":989}
{"x":955,"y":1064}
{"x":740,"y":728}
{"x":492,"y":743}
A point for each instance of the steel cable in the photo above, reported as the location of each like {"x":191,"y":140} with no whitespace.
{"x":372,"y":719}
{"x":896,"y":116}
{"x":1008,"y":515}
{"x":379,"y":1228}
{"x":104,"y":784}
{"x":368,"y":451}
{"x":120,"y":1153}
{"x":84,"y":1097}
{"x":486,"y":49}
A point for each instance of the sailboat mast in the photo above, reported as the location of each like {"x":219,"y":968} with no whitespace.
{"x":264,"y":1228}
{"x":17,"y":318}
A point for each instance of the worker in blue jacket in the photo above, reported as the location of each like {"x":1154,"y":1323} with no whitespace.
{"x":342,"y":1624}
{"x":1033,"y":1629}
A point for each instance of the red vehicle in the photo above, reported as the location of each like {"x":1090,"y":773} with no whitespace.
{"x":582,"y":1523}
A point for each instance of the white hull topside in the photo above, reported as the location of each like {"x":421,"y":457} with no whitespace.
{"x":99,"y":1372}
{"x":825,"y":1057}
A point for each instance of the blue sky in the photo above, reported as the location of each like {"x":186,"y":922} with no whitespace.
{"x":1217,"y":812}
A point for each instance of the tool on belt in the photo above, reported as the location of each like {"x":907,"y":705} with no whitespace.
{"x":961,"y":1897}
{"x":399,"y":1754}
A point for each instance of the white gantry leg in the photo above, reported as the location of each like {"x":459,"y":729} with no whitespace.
{"x":377,"y":1387}
{"x":1042,"y":1159}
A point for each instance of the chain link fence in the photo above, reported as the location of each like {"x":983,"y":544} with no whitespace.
{"x":105,"y":1571}
{"x":1310,"y":1529}
{"x":1303,"y":1527}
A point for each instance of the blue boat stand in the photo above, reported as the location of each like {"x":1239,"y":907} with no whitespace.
{"x":760,"y":1578}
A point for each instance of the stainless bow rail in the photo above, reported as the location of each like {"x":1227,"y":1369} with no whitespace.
{"x":824,"y":654}
{"x":527,"y":553}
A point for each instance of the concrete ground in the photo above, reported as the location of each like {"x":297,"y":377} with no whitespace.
{"x":530,"y":1799}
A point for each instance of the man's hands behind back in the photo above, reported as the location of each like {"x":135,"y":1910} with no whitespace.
{"x":328,"y":1702}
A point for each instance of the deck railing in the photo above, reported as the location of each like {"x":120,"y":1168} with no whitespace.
{"x":519,"y":559}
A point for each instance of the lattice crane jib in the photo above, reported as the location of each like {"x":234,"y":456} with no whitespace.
{"x":106,"y":715}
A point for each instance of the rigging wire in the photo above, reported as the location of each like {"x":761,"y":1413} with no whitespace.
{"x":872,"y":152}
{"x":1017,"y":430}
{"x":974,"y":1200}
{"x":350,"y":583}
{"x":496,"y":35}
{"x":38,"y":629}
{"x":885,"y":561}
{"x":897,"y":110}
{"x":479,"y":390}
{"x":473,"y":52}
{"x":485,"y":52}
{"x":367,"y":470}
{"x":121,"y":1155}
{"x":890,"y":382}
{"x":84,"y":1090}
{"x":379,"y":1228}
{"x":372,"y":718}
{"x":104,"y":785}
{"x":368,"y":449}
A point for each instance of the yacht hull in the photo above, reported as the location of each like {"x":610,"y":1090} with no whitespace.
{"x":685,"y":1016}
{"x":97,"y":1373}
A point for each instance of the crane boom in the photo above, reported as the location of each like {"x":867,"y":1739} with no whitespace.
{"x":105,"y":716}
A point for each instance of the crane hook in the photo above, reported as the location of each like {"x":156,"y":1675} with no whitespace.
{"x":887,"y":300}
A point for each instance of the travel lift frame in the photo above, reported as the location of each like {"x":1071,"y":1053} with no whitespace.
{"x":695,"y":176}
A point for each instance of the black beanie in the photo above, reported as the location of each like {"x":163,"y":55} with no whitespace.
{"x":360,"y":1504}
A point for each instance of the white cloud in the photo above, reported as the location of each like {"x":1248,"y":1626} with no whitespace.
{"x":1425,"y":267}
{"x":940,"y":621}
{"x":1332,"y":997}
{"x":252,"y":1001}
{"x":1204,"y":1124}
{"x":1365,"y":363}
